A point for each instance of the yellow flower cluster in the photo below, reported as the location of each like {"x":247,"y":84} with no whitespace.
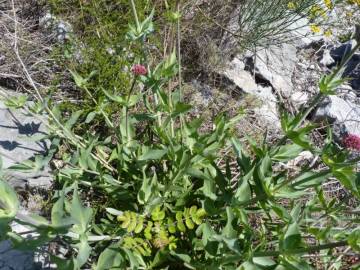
{"x":355,"y":2}
{"x":319,"y":12}
{"x":329,"y":4}
{"x":316,"y":11}
{"x":291,"y":5}
{"x":315,"y":29}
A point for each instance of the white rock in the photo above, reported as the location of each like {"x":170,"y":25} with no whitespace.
{"x":326,"y":59}
{"x":276,"y":65}
{"x":299,"y":98}
{"x":243,"y":79}
{"x":340,"y":112}
{"x":47,"y":20}
{"x":303,"y":156}
{"x":16,"y":130}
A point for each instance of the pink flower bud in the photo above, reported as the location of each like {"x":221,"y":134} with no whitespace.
{"x":352,"y":141}
{"x":138,"y":69}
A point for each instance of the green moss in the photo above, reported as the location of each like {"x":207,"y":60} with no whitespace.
{"x":97,"y":44}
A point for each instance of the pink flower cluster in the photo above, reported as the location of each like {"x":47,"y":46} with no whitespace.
{"x":352,"y":141}
{"x":138,"y":69}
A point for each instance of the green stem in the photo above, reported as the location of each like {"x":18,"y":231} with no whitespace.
{"x":102,"y":112}
{"x":127,"y":108}
{"x":344,"y":61}
{"x":133,"y":7}
{"x":179,"y":49}
{"x":324,"y":173}
{"x":309,"y":249}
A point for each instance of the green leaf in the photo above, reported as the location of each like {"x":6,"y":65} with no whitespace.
{"x":292,"y":237}
{"x":79,"y":80}
{"x":140,"y":225}
{"x":354,"y":240}
{"x":90,"y":117}
{"x":287,"y":152}
{"x":133,"y":222}
{"x":264,"y":262}
{"x":147,"y":231}
{"x":153,"y":154}
{"x":188,"y":220}
{"x":171,"y":225}
{"x":157,"y":214}
{"x":9,"y":203}
{"x":73,"y":119}
{"x":347,"y":177}
{"x":115,"y":98}
{"x":110,"y":258}
{"x":180,"y":222}
{"x":81,"y":215}
{"x":59,"y":217}
{"x":233,"y":243}
{"x":84,"y":250}
{"x":16,"y":102}
{"x":184,"y":257}
{"x":180,"y":109}
{"x":114,"y":212}
{"x":148,"y":189}
{"x":125,"y":219}
{"x":309,"y":179}
{"x":63,"y":264}
{"x":134,"y":260}
{"x":242,"y":158}
{"x":229,"y":231}
{"x":243,"y":192}
{"x":248,"y":266}
{"x":300,"y":137}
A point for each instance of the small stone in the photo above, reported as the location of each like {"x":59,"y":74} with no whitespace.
{"x":301,"y":160}
{"x":299,"y":98}
{"x":47,"y":20}
{"x":327,"y":59}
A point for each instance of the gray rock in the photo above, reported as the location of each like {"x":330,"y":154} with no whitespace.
{"x":344,"y":114}
{"x":13,"y":259}
{"x":16,"y":129}
{"x":327,"y":59}
{"x":58,"y":28}
{"x":236,"y":73}
{"x":276,"y":64}
{"x":16,"y":145}
{"x":352,"y":69}
{"x":299,"y":98}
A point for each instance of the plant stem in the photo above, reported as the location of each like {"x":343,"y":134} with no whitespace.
{"x":308,"y":249}
{"x":179,"y":48}
{"x":127,"y":108}
{"x":345,"y":60}
{"x":96,"y":103}
{"x":133,"y":7}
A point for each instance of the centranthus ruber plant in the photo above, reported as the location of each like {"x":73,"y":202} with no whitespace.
{"x":139,"y":70}
{"x":352,"y":142}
